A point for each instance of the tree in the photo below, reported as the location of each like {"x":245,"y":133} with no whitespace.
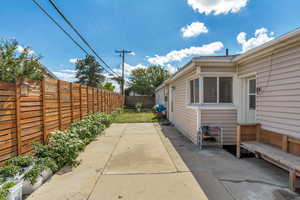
{"x":18,"y":63}
{"x":89,"y":72}
{"x":108,"y":86}
{"x":145,"y":81}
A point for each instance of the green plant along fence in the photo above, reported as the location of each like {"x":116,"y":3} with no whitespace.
{"x":31,"y":111}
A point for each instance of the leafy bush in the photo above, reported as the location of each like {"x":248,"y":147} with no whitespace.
{"x":21,"y":161}
{"x":8,"y":171}
{"x":65,"y":146}
{"x":4,"y":190}
{"x":32,"y":174}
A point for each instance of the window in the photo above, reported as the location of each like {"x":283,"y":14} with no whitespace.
{"x":210,"y":89}
{"x":217,"y":89}
{"x":194,"y":91}
{"x":252,"y":94}
{"x":225,"y":88}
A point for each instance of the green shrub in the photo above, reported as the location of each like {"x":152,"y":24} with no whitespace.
{"x":65,"y":146}
{"x":21,"y":161}
{"x":8,"y":171}
{"x":5,"y":190}
{"x":32,"y":174}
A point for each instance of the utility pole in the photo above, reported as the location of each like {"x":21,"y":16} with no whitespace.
{"x":122,"y":54}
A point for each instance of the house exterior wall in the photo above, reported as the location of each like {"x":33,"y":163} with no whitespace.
{"x":226,"y":119}
{"x":184,"y":118}
{"x":278,"y":76}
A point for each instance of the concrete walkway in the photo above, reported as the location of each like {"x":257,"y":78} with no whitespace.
{"x":152,"y":162}
{"x":130,"y":162}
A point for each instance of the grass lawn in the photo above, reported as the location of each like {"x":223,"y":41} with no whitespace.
{"x":132,"y":116}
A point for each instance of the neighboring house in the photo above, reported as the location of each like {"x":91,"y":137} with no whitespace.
{"x":259,"y":86}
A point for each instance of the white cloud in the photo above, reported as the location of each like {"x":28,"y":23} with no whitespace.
{"x":178,"y":55}
{"x":193,"y":30}
{"x":73,"y":60}
{"x":171,"y":68}
{"x":217,"y":7}
{"x":261,"y":36}
{"x":133,"y":53}
{"x":20,"y":49}
{"x":66,"y":75}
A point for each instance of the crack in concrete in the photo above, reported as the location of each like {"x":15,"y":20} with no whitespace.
{"x":228,"y":191}
{"x":252,"y":181}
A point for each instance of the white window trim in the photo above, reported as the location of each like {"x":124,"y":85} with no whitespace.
{"x":218,"y":89}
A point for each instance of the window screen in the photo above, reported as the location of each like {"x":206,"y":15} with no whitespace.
{"x":252,"y":94}
{"x":192,"y":95}
{"x":210,"y":89}
{"x":197,"y":90}
{"x":225,"y":89}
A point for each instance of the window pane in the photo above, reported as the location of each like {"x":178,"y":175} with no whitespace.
{"x":252,"y":86}
{"x":225,"y":89}
{"x":197,"y":90}
{"x":192,"y":91}
{"x":252,"y":102}
{"x":210,"y":89}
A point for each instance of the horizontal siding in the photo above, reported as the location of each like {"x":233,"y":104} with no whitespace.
{"x":278,"y":106}
{"x":185,"y":119}
{"x":226,"y":119}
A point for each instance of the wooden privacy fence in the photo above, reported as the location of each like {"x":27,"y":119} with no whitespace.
{"x":29,"y":112}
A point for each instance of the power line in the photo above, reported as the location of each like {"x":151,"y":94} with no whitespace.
{"x":63,"y":30}
{"x":80,"y":35}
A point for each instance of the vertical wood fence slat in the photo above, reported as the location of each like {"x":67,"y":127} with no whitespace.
{"x":18,"y":117}
{"x":80,"y":101}
{"x":59,"y":104}
{"x":93,"y":97}
{"x":72,"y":102}
{"x":98,"y":100}
{"x":43,"y":90}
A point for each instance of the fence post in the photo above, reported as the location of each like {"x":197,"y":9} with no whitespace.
{"x":71,"y":99}
{"x":43,"y":85}
{"x":102,"y":101}
{"x":87,"y":99}
{"x":97,"y":100}
{"x":59,"y":104}
{"x":93,"y":100}
{"x":18,"y":117}
{"x":80,"y":102}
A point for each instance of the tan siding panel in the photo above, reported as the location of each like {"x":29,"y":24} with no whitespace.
{"x":226,"y":119}
{"x":185,"y":118}
{"x":278,"y":106}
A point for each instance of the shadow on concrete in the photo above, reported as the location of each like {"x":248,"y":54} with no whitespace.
{"x":222,"y":176}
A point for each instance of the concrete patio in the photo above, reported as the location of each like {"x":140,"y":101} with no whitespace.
{"x":149,"y":161}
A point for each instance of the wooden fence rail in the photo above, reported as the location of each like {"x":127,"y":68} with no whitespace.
{"x":30,"y":112}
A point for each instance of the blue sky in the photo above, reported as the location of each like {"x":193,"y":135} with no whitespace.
{"x":174,"y":30}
